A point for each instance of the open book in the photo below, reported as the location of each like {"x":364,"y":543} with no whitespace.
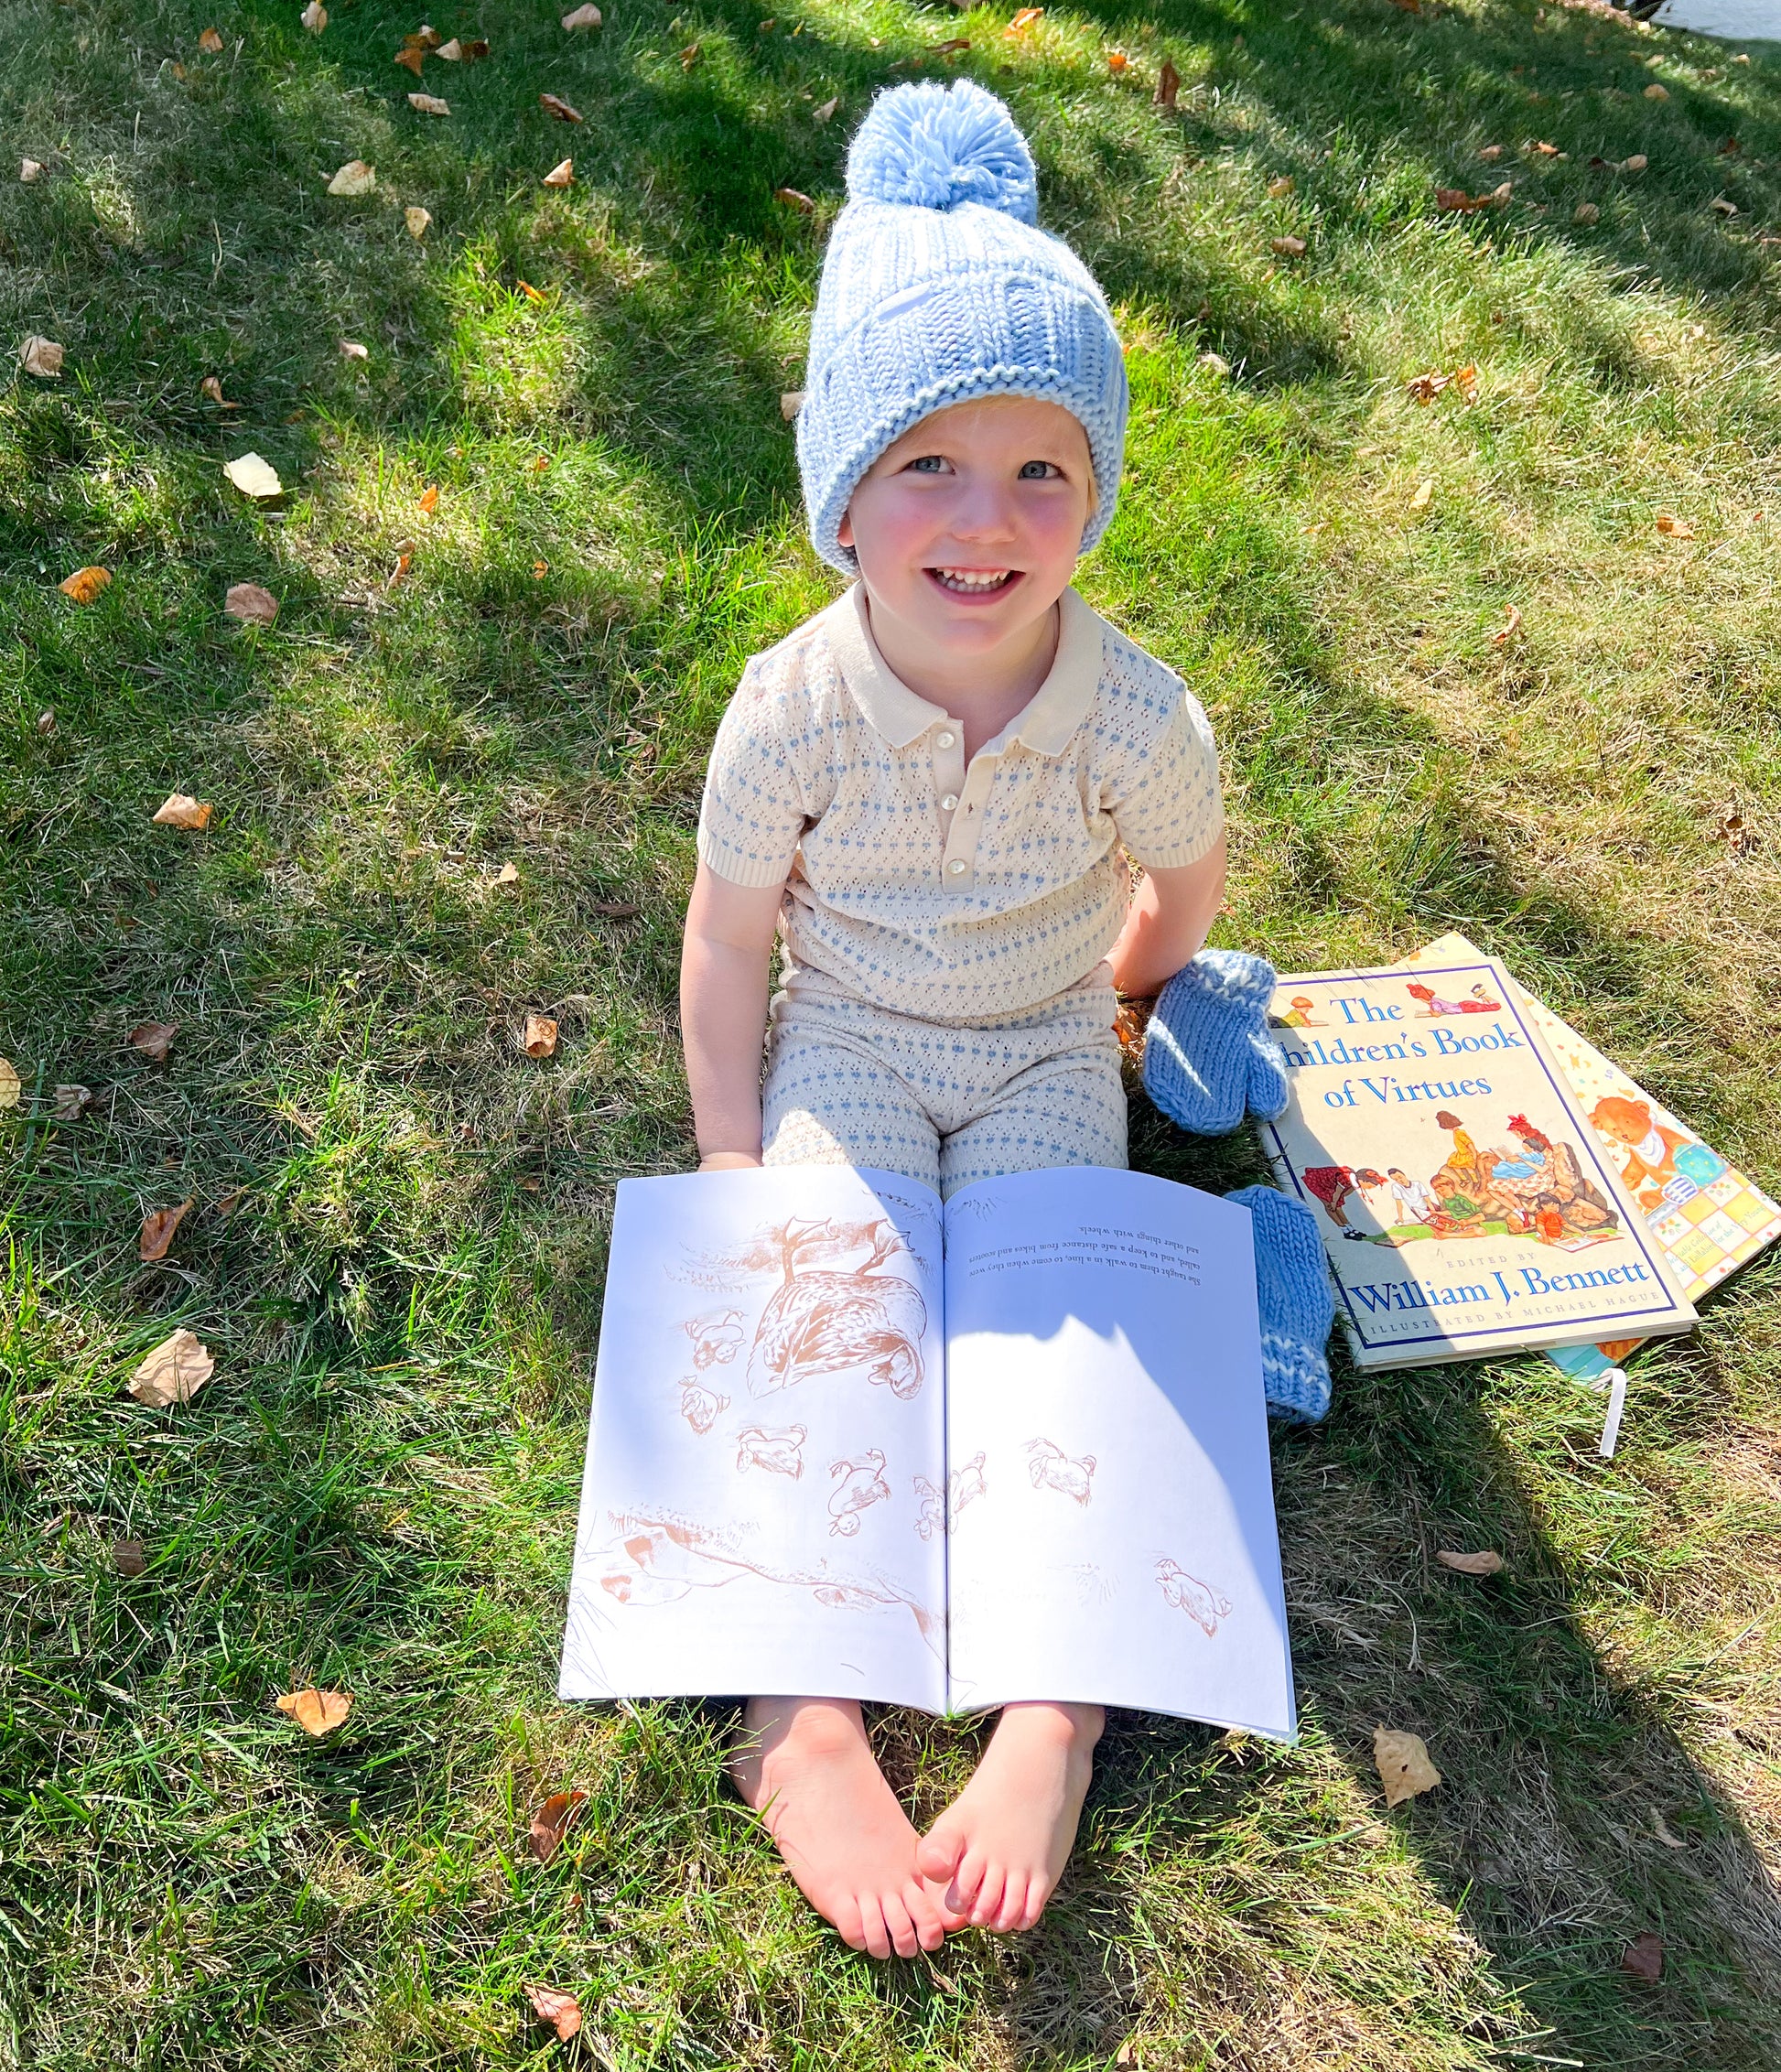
{"x":847,"y":1442}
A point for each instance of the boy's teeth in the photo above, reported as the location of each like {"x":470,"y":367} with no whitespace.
{"x":972,"y":579}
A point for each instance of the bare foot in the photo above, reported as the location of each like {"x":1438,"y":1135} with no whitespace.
{"x":1000,"y":1848}
{"x":806,"y":1768}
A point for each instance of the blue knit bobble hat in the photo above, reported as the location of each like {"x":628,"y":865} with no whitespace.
{"x":938,"y":288}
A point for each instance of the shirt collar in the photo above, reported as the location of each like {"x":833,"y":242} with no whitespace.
{"x":1057,"y":709}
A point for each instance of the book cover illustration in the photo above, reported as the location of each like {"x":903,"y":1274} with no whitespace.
{"x":1464,"y":1203}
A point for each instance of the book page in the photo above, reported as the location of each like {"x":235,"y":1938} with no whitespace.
{"x":768,"y":1405}
{"x":1110,"y":1495}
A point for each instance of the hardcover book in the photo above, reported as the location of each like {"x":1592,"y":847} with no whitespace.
{"x":1707,"y":1217}
{"x":1466,"y":1205}
{"x":849,"y":1442}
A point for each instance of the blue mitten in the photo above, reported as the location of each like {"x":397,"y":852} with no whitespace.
{"x":1207,"y":1053}
{"x":1292,"y":1291}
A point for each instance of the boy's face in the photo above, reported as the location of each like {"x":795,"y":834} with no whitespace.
{"x":967,"y":529}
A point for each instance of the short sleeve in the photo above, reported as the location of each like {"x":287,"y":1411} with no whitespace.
{"x":752,"y":814}
{"x":1169,"y":812}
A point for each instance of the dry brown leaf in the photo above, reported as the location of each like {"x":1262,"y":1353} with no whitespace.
{"x":1676,"y":528}
{"x":174,"y":1371}
{"x":1169,"y":84}
{"x":1284,"y":184}
{"x":254,"y":477}
{"x":451,"y":52}
{"x":539,"y":1037}
{"x":551,"y":105}
{"x":1465,"y":379}
{"x":1023,"y":21}
{"x":430,"y":104}
{"x":84,"y":584}
{"x":157,"y":1231}
{"x":793,"y":200}
{"x":540,"y":569}
{"x":1487,"y":1562}
{"x":533,"y":294}
{"x":1721,"y":207}
{"x":583,"y":17}
{"x":250,"y":604}
{"x":29,"y":169}
{"x":46,"y":718}
{"x":1402,"y":1761}
{"x":1491,"y":152}
{"x":40,"y":356}
{"x":426,"y":36}
{"x":791,"y":403}
{"x":473,"y":48}
{"x":689,"y":56}
{"x":210,"y":42}
{"x":1117,"y":61}
{"x":1287,"y":247}
{"x":1657,"y":92}
{"x":1538,"y":148}
{"x":1661,"y":1828}
{"x":826,"y":111}
{"x":154,"y":1039}
{"x":129,"y":1556}
{"x":404,"y":562}
{"x":318,"y":1713}
{"x":178,"y":811}
{"x":1586,"y":212}
{"x":1511,"y":628}
{"x":562,"y":2011}
{"x":226,"y":1204}
{"x":429,"y":502}
{"x":1424,"y":491}
{"x":542,"y":461}
{"x":1730,"y":148}
{"x":561,"y":174}
{"x":351,"y":349}
{"x":354,"y":178}
{"x":952,"y":44}
{"x":417,"y":220}
{"x":1635,"y":164}
{"x":1643,"y":1958}
{"x":1126,"y":2054}
{"x":413,"y":55}
{"x":509,"y":873}
{"x":314,"y":18}
{"x":615,"y":910}
{"x":71,"y":1102}
{"x":550,"y":1822}
{"x":11,"y":1086}
{"x":210,"y":388}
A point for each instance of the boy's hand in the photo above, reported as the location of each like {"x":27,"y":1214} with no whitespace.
{"x":729,"y":1161}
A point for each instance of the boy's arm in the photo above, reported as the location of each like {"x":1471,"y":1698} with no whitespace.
{"x":723,"y":958}
{"x":1168,"y":922}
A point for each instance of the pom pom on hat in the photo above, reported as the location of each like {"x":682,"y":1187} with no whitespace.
{"x":931,"y":146}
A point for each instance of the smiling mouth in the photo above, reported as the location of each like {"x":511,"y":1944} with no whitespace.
{"x":975,"y":582}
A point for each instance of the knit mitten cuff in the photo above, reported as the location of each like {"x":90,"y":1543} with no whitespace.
{"x":1208,"y":1055}
{"x":1296,"y":1305}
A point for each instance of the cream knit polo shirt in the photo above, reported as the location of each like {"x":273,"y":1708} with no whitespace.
{"x":952,"y":891}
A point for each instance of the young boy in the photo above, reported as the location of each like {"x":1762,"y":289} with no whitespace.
{"x":925,"y":792}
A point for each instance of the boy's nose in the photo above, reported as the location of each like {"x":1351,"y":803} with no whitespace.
{"x":983,"y":517}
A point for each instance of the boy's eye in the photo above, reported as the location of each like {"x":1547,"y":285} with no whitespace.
{"x":930,"y":464}
{"x":1039,"y":471}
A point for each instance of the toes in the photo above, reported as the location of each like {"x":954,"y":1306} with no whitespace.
{"x":988,"y":1903}
{"x":1012,"y":1916}
{"x":967,"y":1881}
{"x":925,"y":1914}
{"x":1038,"y":1892}
{"x":937,"y":1855}
{"x":871,"y":1921}
{"x":898,"y":1926}
{"x":844,"y":1917}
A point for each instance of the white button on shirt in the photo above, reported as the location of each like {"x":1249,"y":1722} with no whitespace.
{"x":934,"y":889}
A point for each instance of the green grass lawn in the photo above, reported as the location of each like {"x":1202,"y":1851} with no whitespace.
{"x":399,"y":1221}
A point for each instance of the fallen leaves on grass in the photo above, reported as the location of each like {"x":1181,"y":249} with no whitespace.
{"x":791,"y":197}
{"x":351,"y":349}
{"x":354,"y":178}
{"x":1287,"y":247}
{"x":403,"y":561}
{"x":254,"y":477}
{"x":1661,"y":1828}
{"x":1508,"y":631}
{"x":11,"y":1086}
{"x":210,"y":42}
{"x":1673,"y":527}
{"x":1657,"y":92}
{"x":1118,"y":61}
{"x":1424,"y":491}
{"x":562,"y":2011}
{"x":826,"y":111}
{"x":1635,"y":164}
{"x":948,"y":49}
{"x":1424,"y":388}
{"x":413,"y":54}
{"x":1022,"y":22}
{"x":1491,"y":152}
{"x":84,"y":584}
{"x":533,"y":294}
{"x":538,"y":1039}
{"x":211,"y":389}
{"x":40,"y":356}
{"x":428,"y":104}
{"x":1169,"y":85}
{"x":314,"y":18}
{"x":129,"y":1556}
{"x":552,"y":106}
{"x":1721,"y":207}
{"x":174,"y":1371}
{"x":155,"y":1039}
{"x":71,"y":1103}
{"x":1735,"y":831}
{"x":540,"y":569}
{"x":560,"y":174}
{"x":1643,"y":1958}
{"x":1487,"y":1562}
{"x":318,"y":1713}
{"x":1537,"y":147}
{"x":551,"y":1821}
{"x":1586,"y":212}
{"x":29,"y":169}
{"x":1283,"y":185}
{"x":791,"y":403}
{"x":226,"y":1204}
{"x":430,"y":502}
{"x":583,"y":17}
{"x":1456,"y":200}
{"x":157,"y":1231}
{"x":250,"y":605}
{"x":1402,"y":1761}
{"x":417,"y":220}
{"x":689,"y":56}
{"x":509,"y":873}
{"x":178,"y":811}
{"x":615,"y":910}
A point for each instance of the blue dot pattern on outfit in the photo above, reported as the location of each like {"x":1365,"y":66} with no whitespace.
{"x":1292,"y":1293}
{"x":936,"y":888}
{"x":938,"y":288}
{"x":1207,"y":1053}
